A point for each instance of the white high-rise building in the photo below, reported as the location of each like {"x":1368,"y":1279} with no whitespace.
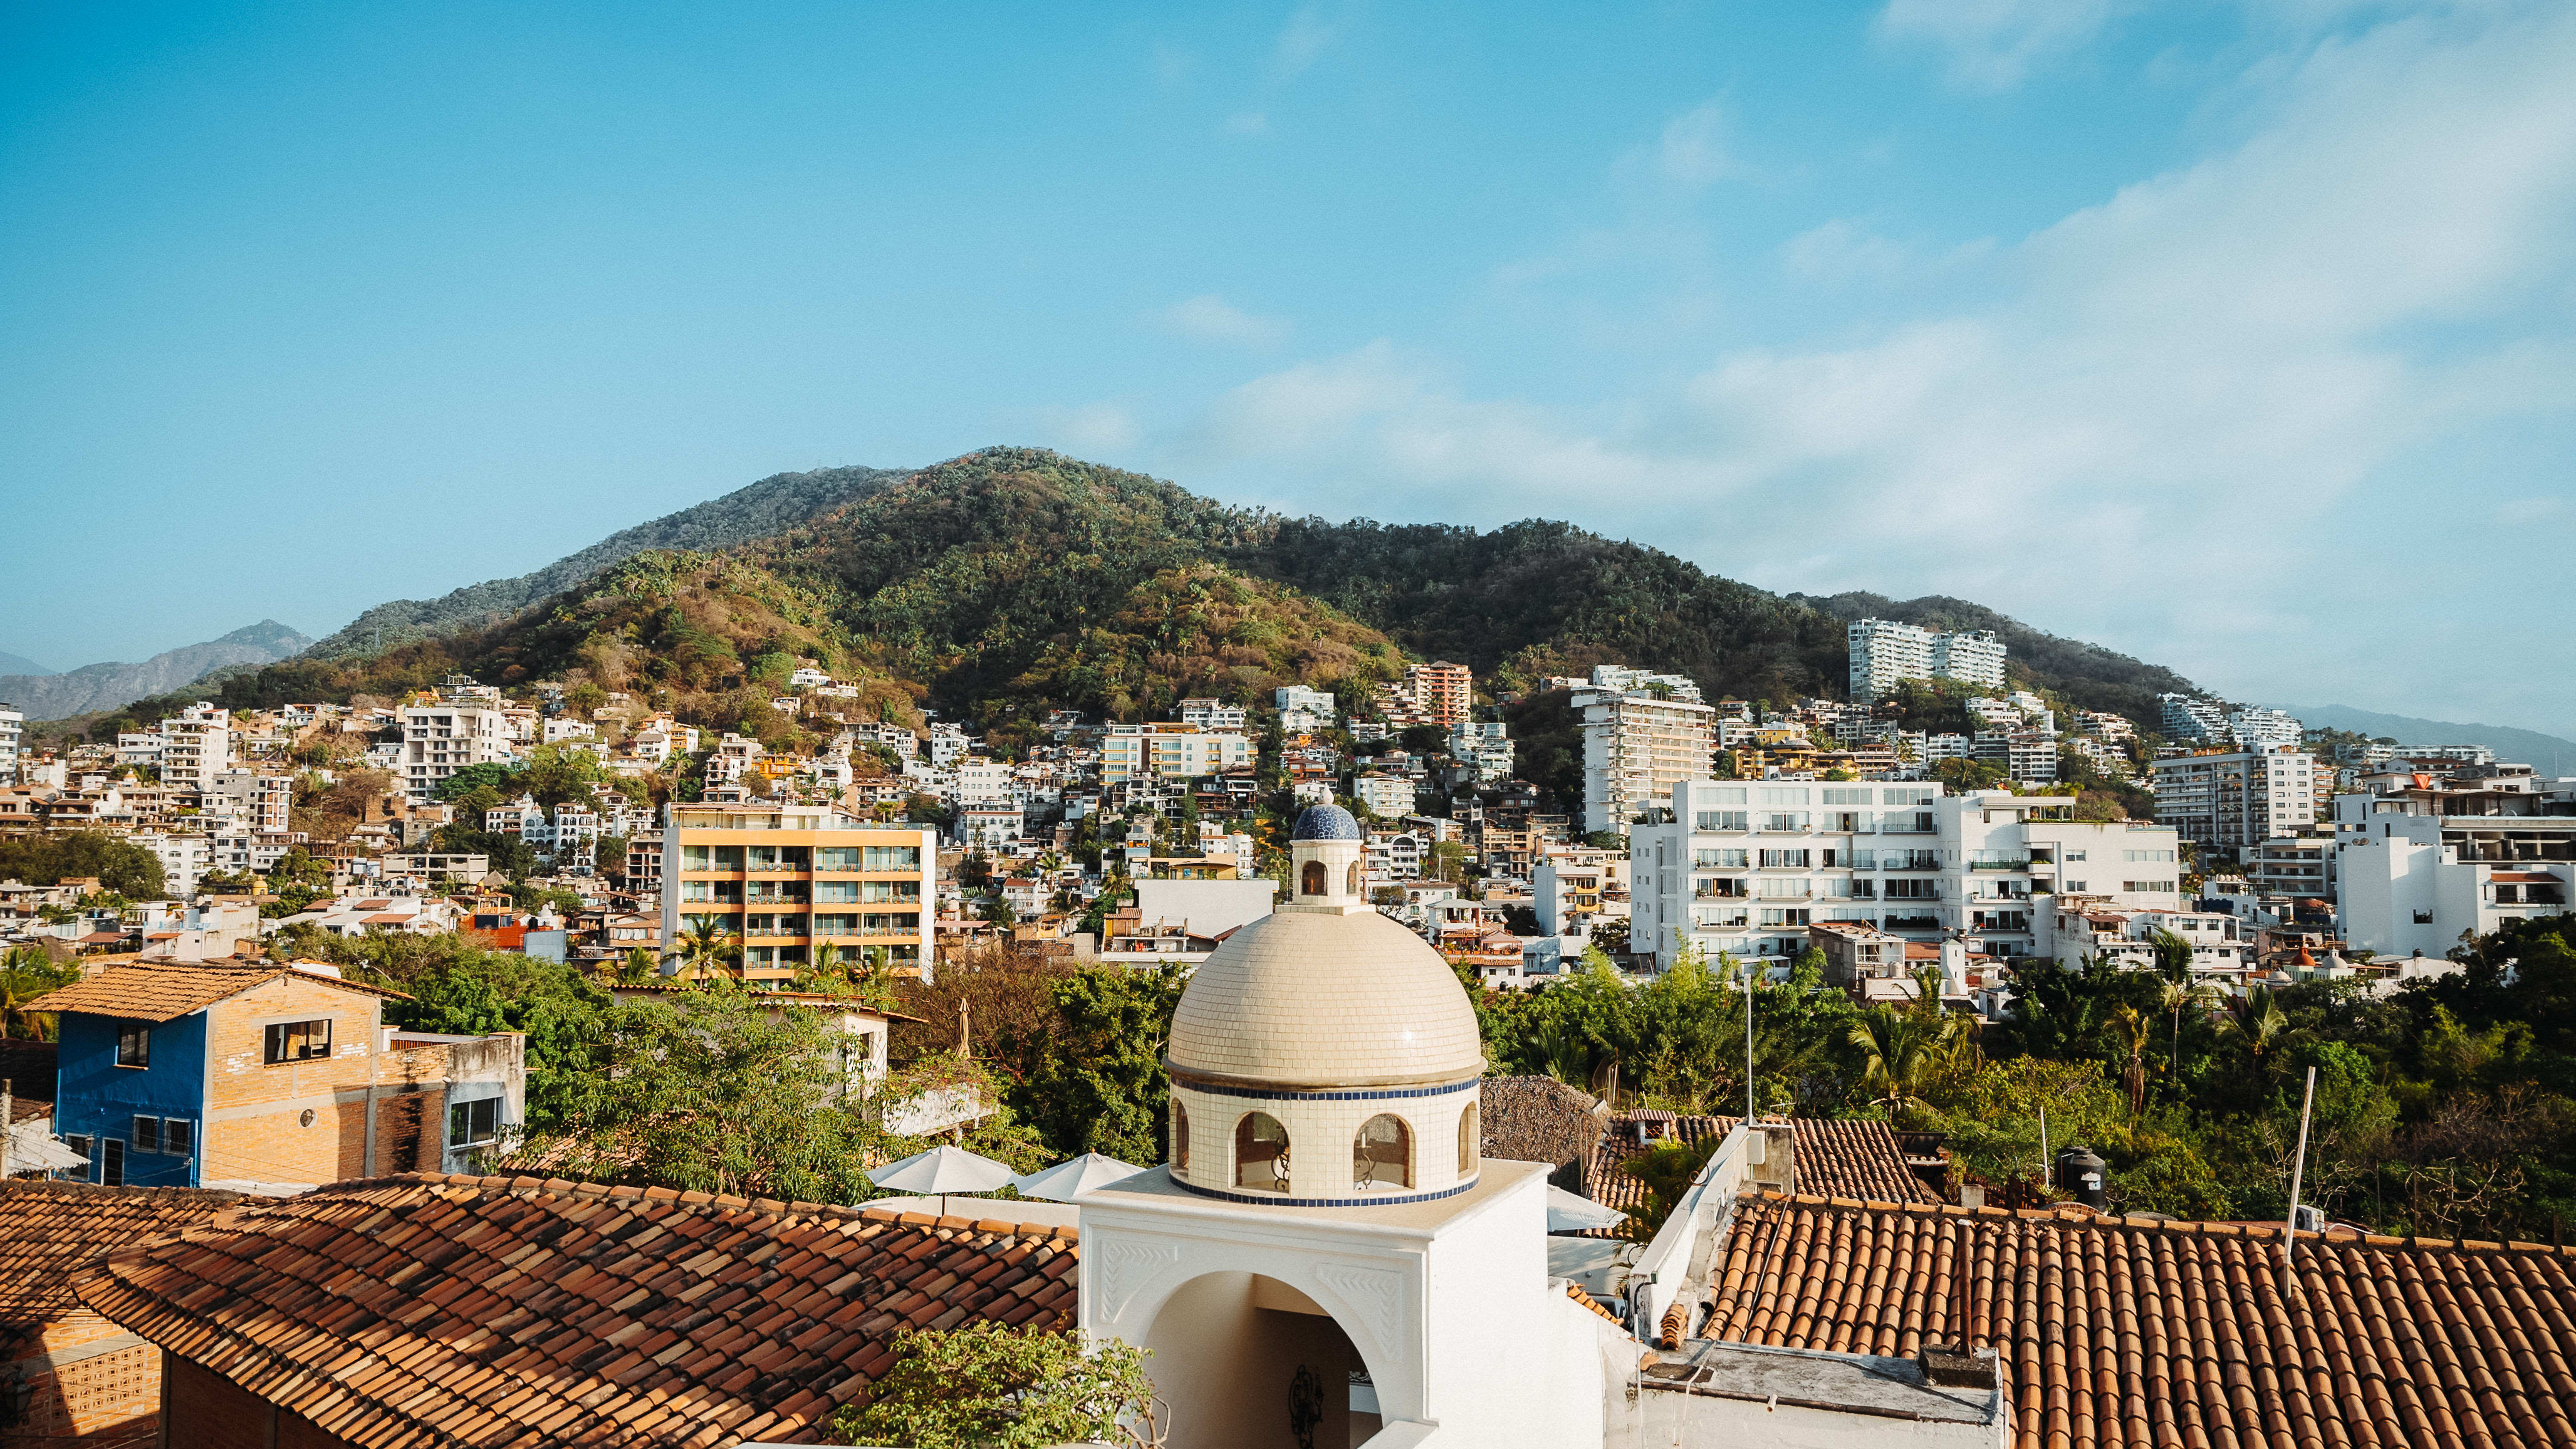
{"x":1885,"y":653}
{"x":466,"y":727}
{"x":1635,"y":748}
{"x":2235,"y":800}
{"x":2187,"y":717}
{"x":196,"y":746}
{"x":2265,"y":729}
{"x":13,"y":723}
{"x":1746,"y":867}
{"x":1971,"y":656}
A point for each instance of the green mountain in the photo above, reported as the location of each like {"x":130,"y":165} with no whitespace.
{"x":1012,"y":581}
{"x":765,"y":507}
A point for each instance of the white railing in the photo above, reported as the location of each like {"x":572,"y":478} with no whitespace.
{"x":1676,"y":1255}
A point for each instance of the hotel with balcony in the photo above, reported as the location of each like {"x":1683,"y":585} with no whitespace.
{"x":2421,"y":857}
{"x":789,"y":881}
{"x":1746,"y":867}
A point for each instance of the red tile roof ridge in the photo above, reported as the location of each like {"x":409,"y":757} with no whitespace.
{"x":2075,"y":1215}
{"x":721,"y":1202}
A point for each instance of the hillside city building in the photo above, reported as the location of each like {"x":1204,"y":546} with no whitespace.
{"x":1885,"y":653}
{"x":788,"y":881}
{"x":1746,"y":868}
{"x":2235,"y":800}
{"x":1636,"y":746}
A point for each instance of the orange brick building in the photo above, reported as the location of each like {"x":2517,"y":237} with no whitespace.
{"x":206,"y":1074}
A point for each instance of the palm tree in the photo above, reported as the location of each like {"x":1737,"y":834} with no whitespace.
{"x":707,"y":949}
{"x":1896,"y":1047}
{"x":638,"y":967}
{"x":2133,"y":1077}
{"x":2262,"y":1021}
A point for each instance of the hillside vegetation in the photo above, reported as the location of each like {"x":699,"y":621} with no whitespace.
{"x":1000,"y":585}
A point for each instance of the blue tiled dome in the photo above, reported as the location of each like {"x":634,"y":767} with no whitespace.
{"x":1325,"y":822}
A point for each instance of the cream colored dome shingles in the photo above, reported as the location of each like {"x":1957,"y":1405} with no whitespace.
{"x":1320,"y":1001}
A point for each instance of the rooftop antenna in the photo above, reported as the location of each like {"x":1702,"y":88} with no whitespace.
{"x":2298,"y":1166}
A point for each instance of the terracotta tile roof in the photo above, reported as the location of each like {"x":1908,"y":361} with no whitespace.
{"x":2137,"y":1331}
{"x":168,"y":990}
{"x":508,"y":1311}
{"x":1833,"y":1159}
{"x":1538,"y":1119}
{"x":47,"y":1229}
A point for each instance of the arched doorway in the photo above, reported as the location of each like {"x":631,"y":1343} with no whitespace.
{"x":1246,"y":1360}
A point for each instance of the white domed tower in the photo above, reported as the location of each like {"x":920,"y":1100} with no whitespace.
{"x":1325,"y":1056}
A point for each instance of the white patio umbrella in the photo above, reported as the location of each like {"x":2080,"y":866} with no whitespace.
{"x":943,"y":1169}
{"x":1064,"y":1181}
{"x":1567,"y":1213}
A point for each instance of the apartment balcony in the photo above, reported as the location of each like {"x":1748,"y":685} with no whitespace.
{"x":1909,"y":830}
{"x":1999,"y":865}
{"x":1910,"y":921}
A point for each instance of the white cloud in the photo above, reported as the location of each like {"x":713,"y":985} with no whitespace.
{"x":1993,"y":45}
{"x":2180,"y":393}
{"x":1211,"y":318}
{"x":1694,"y":147}
{"x":1303,"y":41}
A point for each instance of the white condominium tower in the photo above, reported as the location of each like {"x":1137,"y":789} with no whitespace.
{"x":1885,"y":653}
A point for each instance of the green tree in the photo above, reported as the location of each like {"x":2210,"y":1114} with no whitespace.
{"x":560,"y":773}
{"x":468,"y":991}
{"x":1897,"y":1049}
{"x":990,"y":1386}
{"x":718,"y":1091}
{"x":1101,"y":1086}
{"x":1667,"y":1170}
{"x":27,"y":973}
{"x":54,"y":857}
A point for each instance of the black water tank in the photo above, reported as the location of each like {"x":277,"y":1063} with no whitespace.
{"x":2079,"y":1173}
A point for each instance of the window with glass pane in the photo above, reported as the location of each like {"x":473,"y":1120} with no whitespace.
{"x":1382,"y":1155}
{"x":474,"y":1124}
{"x":147,"y":1134}
{"x":112,"y":1163}
{"x":837,"y":857}
{"x":298,"y":1041}
{"x":694,"y":857}
{"x":178,"y":1136}
{"x":894,"y":857}
{"x":133,"y":1044}
{"x":1260,"y":1153}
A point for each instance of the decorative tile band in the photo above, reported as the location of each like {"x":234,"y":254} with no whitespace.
{"x":1356,"y":1094}
{"x":1382,"y":1199}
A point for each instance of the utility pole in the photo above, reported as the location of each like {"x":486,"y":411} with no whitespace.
{"x":2298,"y":1168}
{"x":1748,"y":1046}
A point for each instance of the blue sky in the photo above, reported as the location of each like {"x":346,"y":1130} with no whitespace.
{"x":2235,"y":336}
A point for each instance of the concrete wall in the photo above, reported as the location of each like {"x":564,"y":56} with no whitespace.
{"x":1227,"y":1364}
{"x":1210,"y":906}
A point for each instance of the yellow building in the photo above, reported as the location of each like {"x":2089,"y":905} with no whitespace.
{"x":788,"y":880}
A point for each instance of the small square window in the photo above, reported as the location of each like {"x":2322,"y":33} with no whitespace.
{"x":296,"y":1041}
{"x":147,"y":1134}
{"x":474,"y":1124}
{"x":133,"y":1044}
{"x":178,"y":1136}
{"x":77,"y":1143}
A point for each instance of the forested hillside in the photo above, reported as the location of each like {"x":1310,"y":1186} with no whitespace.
{"x":2088,"y":674}
{"x":1013,"y":581}
{"x":766,"y":507}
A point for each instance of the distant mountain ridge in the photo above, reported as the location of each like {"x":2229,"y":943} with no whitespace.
{"x":1011,"y":581}
{"x":15,"y":665}
{"x":94,"y":687}
{"x":2546,"y":753}
{"x":772,"y":505}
